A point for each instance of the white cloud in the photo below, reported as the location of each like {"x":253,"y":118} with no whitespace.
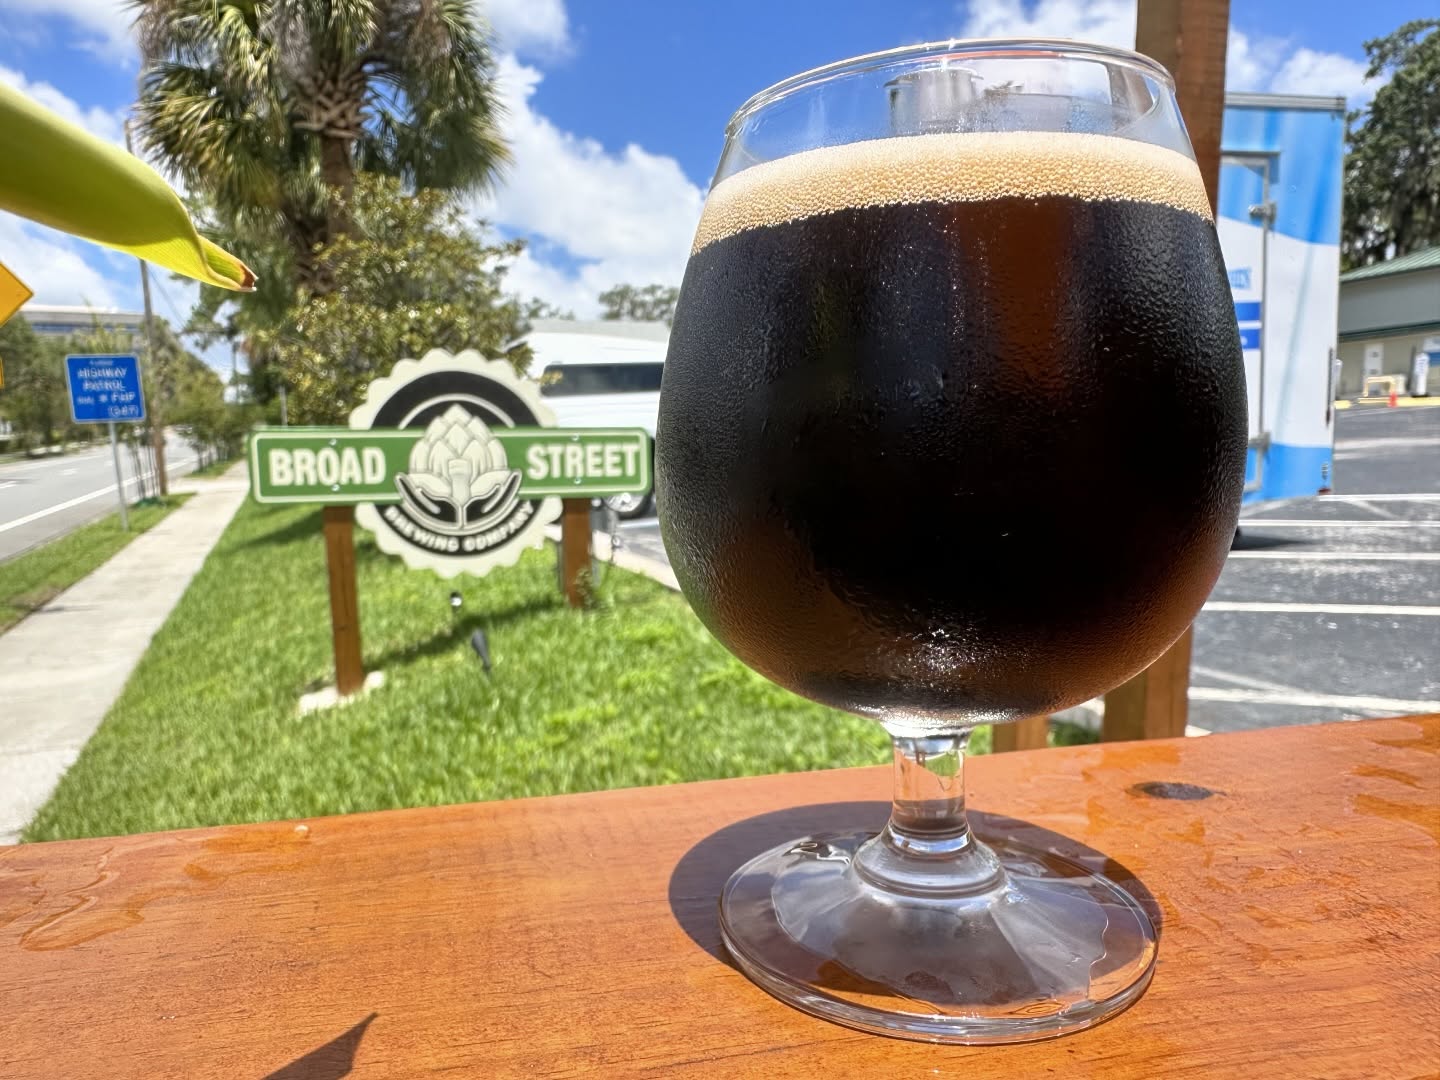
{"x":624,"y":216}
{"x":51,"y":265}
{"x":1105,"y":22}
{"x":1254,"y":63}
{"x":1310,"y":72}
{"x":529,"y":26}
{"x":108,"y":124}
{"x":108,"y":20}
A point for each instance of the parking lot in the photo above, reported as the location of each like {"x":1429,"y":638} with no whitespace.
{"x":1329,"y":607}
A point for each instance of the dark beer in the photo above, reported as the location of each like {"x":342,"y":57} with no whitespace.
{"x":953,"y":426}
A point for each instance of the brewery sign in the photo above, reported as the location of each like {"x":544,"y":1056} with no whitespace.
{"x":453,"y":462}
{"x":456,"y":465}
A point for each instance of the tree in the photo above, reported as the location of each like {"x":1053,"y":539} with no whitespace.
{"x":213,"y":427}
{"x":33,"y":399}
{"x":535,"y":308}
{"x":411,"y":275}
{"x":1392,"y":170}
{"x":653,"y":303}
{"x":270,"y":107}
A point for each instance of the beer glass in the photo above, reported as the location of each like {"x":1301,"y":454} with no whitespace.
{"x":952,"y":431}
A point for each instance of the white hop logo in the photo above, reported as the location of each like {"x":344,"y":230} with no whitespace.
{"x":459,"y":480}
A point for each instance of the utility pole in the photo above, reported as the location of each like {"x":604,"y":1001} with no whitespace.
{"x":157,"y":420}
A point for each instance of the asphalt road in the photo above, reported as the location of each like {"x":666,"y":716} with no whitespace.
{"x":1329,"y":607}
{"x":43,"y":498}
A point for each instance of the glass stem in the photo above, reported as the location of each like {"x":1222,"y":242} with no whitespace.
{"x":927,"y":847}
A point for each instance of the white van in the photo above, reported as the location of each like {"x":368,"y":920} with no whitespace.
{"x":601,"y":374}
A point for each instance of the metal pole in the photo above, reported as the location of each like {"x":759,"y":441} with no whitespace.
{"x":157,"y":428}
{"x":284,"y":409}
{"x":119,"y":478}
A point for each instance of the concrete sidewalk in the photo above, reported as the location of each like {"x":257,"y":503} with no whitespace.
{"x":63,"y":666}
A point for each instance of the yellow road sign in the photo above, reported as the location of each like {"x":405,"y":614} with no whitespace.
{"x":13,"y":293}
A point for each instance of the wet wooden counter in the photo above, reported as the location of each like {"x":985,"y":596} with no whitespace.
{"x":1295,"y":872}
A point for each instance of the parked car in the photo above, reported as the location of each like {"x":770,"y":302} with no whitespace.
{"x":602,"y":374}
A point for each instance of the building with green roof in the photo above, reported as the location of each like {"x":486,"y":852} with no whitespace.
{"x":1389,"y":314}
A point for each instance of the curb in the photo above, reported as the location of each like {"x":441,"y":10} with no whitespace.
{"x":654,"y":569}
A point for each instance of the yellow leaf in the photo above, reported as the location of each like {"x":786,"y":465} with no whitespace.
{"x":58,"y":174}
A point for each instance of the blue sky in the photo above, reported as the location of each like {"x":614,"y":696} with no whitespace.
{"x":616,"y":109}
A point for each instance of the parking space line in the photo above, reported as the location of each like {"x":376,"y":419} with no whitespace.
{"x":1237,"y":696}
{"x":1321,"y":523}
{"x":1414,"y":496}
{"x":1422,"y":610}
{"x":1252,"y":683}
{"x":1341,"y":556}
{"x":1378,"y":511}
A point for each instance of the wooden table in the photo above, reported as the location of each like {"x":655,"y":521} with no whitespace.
{"x":1297,"y":881}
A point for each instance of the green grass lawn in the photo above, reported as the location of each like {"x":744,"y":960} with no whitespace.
{"x":29,"y":581}
{"x":632,"y":692}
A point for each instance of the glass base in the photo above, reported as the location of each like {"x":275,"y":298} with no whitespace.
{"x":1026,"y":945}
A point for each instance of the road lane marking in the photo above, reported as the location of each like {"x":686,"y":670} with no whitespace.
{"x":1236,"y":696}
{"x":1321,"y":523}
{"x":1341,"y":556}
{"x":68,"y":472}
{"x":68,"y":503}
{"x":52,"y":460}
{"x":8,"y":483}
{"x":1423,"y":610}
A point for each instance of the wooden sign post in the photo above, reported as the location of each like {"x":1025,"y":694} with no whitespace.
{"x":575,"y":551}
{"x":1188,"y":37}
{"x":454,"y":464}
{"x":344,"y":598}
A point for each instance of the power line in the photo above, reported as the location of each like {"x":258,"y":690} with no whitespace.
{"x":179,"y":322}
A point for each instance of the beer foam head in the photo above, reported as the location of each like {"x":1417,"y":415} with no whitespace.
{"x":969,"y":167}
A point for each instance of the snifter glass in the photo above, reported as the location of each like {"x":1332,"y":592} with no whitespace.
{"x":952,"y":432}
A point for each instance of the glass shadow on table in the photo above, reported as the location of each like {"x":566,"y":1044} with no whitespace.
{"x":701,"y":873}
{"x":332,"y":1061}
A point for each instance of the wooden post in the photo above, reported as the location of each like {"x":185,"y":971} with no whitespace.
{"x":575,"y":550}
{"x":344,"y":598}
{"x":1028,"y":734}
{"x":1188,"y":37}
{"x":1155,"y":703}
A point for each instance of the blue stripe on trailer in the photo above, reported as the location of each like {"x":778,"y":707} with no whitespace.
{"x":1249,"y":337}
{"x":1289,"y":471}
{"x":1248,"y":311}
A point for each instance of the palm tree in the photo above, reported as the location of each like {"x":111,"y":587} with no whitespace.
{"x":269,"y":107}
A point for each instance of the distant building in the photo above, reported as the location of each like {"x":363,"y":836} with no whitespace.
{"x":58,"y":320}
{"x":1389,"y":313}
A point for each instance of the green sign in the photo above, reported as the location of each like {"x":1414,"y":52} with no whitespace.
{"x":452,"y":461}
{"x":343,"y":465}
